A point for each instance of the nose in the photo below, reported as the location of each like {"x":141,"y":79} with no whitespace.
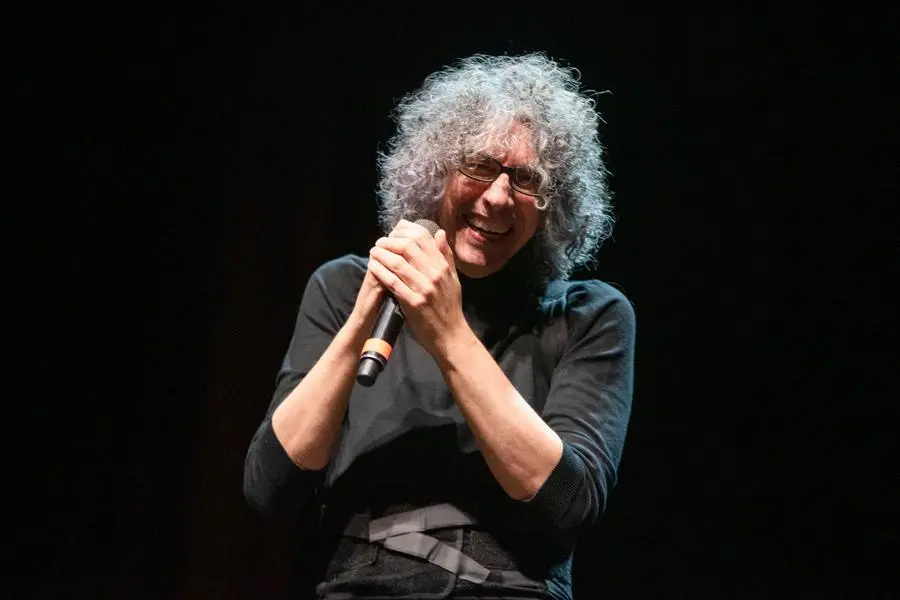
{"x":500,"y":193}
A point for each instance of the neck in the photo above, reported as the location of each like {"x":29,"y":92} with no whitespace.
{"x":510,"y":294}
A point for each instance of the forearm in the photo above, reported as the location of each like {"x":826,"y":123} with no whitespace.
{"x":308,"y":422}
{"x":520,"y":449}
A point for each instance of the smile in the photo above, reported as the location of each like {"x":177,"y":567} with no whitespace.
{"x":485,"y":228}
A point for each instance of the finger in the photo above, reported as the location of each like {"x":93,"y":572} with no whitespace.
{"x":440,"y":240}
{"x":425,"y":238}
{"x":390,"y":281}
{"x":402,"y":228}
{"x":412,"y":250}
{"x":411,"y":278}
{"x":409,"y":229}
{"x":426,"y":260}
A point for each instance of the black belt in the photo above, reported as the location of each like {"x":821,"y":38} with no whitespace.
{"x":404,"y":533}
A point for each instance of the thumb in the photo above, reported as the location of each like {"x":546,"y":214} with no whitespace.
{"x":440,"y":239}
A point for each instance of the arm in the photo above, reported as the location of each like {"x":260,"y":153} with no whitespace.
{"x":520,"y":449}
{"x":308,"y":421}
{"x":295,"y":441}
{"x":589,"y":406}
{"x":564,"y":461}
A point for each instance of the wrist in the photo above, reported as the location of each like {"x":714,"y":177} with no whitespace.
{"x":458,"y":345}
{"x":353,"y":334}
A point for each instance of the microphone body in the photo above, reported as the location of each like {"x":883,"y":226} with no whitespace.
{"x":388,"y":324}
{"x":377,"y":348}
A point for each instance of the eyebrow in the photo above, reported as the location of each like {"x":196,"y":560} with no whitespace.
{"x":494,"y":158}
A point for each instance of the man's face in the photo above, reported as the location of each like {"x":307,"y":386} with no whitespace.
{"x":488,"y":222}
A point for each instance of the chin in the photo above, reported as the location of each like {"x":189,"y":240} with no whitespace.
{"x":474,"y":262}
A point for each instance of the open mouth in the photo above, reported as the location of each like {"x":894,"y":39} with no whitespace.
{"x":488,"y":231}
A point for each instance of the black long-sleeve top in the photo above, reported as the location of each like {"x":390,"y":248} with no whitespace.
{"x":568,"y":351}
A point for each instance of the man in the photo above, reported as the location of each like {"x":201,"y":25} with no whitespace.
{"x":491,"y":439}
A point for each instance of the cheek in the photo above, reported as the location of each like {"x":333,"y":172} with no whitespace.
{"x":450,"y":208}
{"x":447,"y":217}
{"x":532,"y":218}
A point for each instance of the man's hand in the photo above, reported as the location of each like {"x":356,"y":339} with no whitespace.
{"x":420,"y":271}
{"x":368,"y":302}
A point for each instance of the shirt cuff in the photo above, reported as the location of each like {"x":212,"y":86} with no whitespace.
{"x":560,"y":495}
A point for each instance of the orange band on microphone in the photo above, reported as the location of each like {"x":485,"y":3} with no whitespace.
{"x":379,"y":346}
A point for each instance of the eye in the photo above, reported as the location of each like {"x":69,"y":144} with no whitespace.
{"x":479,"y":166}
{"x":528,"y":179}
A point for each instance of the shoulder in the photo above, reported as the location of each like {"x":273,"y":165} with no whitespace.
{"x":589,"y":303}
{"x":348,"y":265}
{"x":339,"y":279}
{"x":588,"y":296}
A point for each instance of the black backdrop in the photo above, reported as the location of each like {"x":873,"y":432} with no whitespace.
{"x":234,"y":151}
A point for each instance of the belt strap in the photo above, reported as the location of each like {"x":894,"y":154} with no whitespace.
{"x":402,"y":533}
{"x":438,"y":553}
{"x":437,"y":516}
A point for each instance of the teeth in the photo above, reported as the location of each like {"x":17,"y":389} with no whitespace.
{"x":485,"y":225}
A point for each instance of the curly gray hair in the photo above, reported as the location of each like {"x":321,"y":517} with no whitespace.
{"x":471,"y":107}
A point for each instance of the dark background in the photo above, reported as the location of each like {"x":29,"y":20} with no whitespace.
{"x":199,"y":166}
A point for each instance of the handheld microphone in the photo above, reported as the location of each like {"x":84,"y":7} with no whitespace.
{"x":388,"y":324}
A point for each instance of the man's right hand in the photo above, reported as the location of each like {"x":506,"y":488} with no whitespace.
{"x":368,"y":302}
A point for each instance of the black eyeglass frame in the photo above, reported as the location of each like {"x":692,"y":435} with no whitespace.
{"x":511,"y":172}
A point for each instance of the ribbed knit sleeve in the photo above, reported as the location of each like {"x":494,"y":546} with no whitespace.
{"x":589,"y":406}
{"x":272,"y":482}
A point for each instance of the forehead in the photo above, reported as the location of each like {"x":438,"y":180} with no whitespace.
{"x":515,"y":147}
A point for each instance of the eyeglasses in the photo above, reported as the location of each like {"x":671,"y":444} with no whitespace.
{"x":484,"y":168}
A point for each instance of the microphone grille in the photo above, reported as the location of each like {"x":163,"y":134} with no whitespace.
{"x":431,"y":226}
